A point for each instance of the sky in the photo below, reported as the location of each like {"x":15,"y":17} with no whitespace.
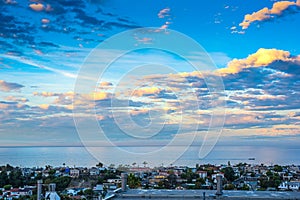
{"x":52,"y":92}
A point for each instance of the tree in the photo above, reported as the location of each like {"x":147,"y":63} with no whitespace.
{"x":199,"y":183}
{"x":278,"y":168}
{"x":61,"y":182}
{"x":145,"y":163}
{"x":229,"y":187}
{"x":229,"y":173}
{"x":3,"y":178}
{"x":111,"y":166}
{"x":7,"y":187}
{"x":16,"y":178}
{"x":172,"y":179}
{"x":133,"y":181}
{"x":245,"y":187}
{"x":100,"y":165}
{"x":89,"y":193}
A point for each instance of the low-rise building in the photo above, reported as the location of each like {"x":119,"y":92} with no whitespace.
{"x":74,"y":173}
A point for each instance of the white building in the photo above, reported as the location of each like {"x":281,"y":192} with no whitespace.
{"x":283,"y":186}
{"x":202,"y":174}
{"x":294,"y":185}
{"x":74,"y":173}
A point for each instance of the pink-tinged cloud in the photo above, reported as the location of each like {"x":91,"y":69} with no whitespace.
{"x":38,"y":52}
{"x":8,"y":86}
{"x":3,"y":106}
{"x":164,"y":13}
{"x":45,"y":21}
{"x":261,"y":58}
{"x":266,"y":13}
{"x":37,"y":6}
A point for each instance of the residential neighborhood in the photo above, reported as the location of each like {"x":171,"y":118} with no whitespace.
{"x":102,"y":181}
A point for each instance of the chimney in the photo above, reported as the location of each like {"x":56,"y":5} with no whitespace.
{"x":124,"y":181}
{"x":39,"y":189}
{"x":219,"y":185}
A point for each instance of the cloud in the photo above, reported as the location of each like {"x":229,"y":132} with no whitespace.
{"x":34,"y":64}
{"x":37,"y":6}
{"x":139,"y":111}
{"x":44,"y":106}
{"x":264,"y":14}
{"x":164,"y":13}
{"x":105,"y":85}
{"x":97,"y":96}
{"x":17,"y":99}
{"x":45,"y":94}
{"x":147,"y":91}
{"x":262,"y":57}
{"x":45,"y":21}
{"x":8,"y":86}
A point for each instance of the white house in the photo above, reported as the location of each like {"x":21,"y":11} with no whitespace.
{"x":283,"y":186}
{"x":294,"y":185}
{"x":74,"y":173}
{"x":202,"y":174}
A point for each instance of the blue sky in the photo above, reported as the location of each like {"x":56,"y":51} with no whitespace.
{"x":44,"y":44}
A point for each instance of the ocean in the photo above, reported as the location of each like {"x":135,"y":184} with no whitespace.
{"x":33,"y":156}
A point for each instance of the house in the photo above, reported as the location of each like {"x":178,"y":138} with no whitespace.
{"x":74,"y":191}
{"x":74,"y":173}
{"x":21,"y":191}
{"x":115,"y":181}
{"x":283,"y":186}
{"x":294,"y":185}
{"x":140,"y":169}
{"x":94,"y":171}
{"x":26,"y":171}
{"x":202,"y":174}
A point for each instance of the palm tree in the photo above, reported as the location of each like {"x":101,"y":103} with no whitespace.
{"x":100,"y":165}
{"x":145,"y":163}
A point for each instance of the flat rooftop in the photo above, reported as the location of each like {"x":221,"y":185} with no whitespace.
{"x":209,"y":194}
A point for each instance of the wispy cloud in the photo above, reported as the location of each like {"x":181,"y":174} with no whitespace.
{"x":164,"y":13}
{"x":32,"y":63}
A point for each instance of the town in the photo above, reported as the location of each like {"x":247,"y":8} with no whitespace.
{"x":102,"y":181}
